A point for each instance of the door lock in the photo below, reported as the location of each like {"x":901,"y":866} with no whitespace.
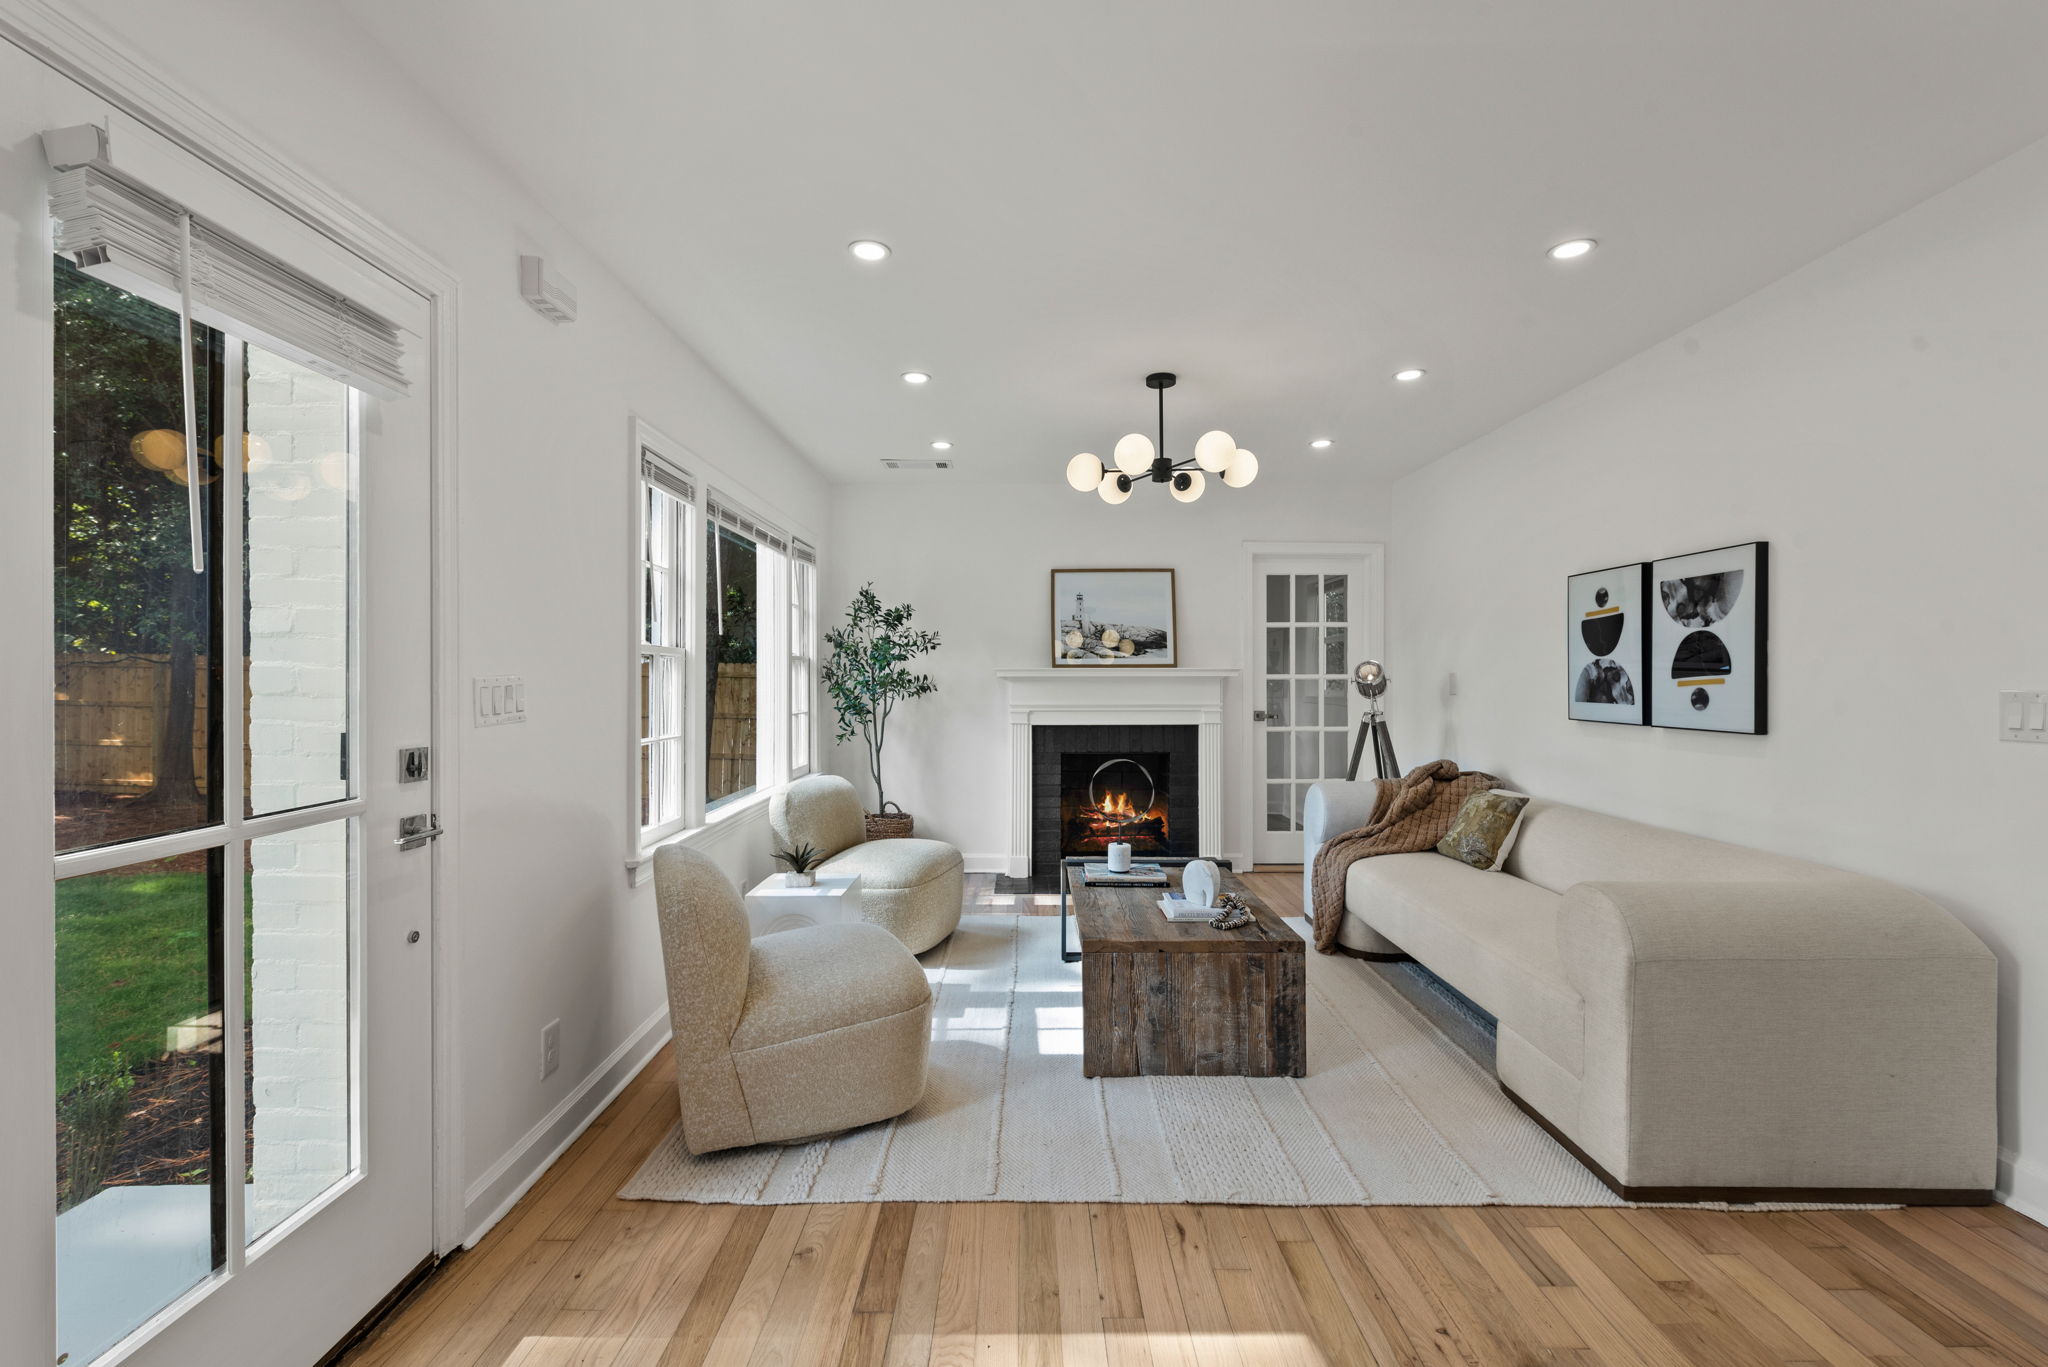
{"x":1262,"y":715}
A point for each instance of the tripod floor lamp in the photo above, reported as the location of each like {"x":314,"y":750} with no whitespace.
{"x":1371,"y":679}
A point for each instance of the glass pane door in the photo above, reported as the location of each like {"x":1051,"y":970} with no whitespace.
{"x":1305,"y":693}
{"x":206,"y":814}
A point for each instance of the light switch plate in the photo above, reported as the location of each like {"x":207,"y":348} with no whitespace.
{"x":2023,"y":716}
{"x":500,"y":699}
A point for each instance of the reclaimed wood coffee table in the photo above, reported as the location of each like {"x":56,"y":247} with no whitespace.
{"x":1165,"y":997}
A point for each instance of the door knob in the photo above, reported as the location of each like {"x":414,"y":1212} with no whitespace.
{"x":1262,"y":715}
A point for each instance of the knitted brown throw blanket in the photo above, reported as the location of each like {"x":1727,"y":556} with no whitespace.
{"x":1408,"y":814}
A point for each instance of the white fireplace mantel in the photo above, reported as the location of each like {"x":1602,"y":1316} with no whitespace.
{"x":1112,"y":696}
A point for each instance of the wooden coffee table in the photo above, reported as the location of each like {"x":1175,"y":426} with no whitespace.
{"x":1175,"y":997}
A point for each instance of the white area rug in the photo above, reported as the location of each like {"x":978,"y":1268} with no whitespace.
{"x":1391,"y":1112}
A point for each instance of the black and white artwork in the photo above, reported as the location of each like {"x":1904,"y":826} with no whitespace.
{"x":1113,"y":619}
{"x":1604,"y":645}
{"x":1710,"y":640}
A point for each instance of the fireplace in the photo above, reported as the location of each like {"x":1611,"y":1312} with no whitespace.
{"x":1095,"y":784}
{"x":1120,"y":798}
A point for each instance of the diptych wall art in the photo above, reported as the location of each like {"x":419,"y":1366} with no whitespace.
{"x":1710,"y":639}
{"x":1604,"y":646}
{"x":1681,"y":642}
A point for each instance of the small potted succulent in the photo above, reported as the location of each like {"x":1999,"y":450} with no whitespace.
{"x":803,"y":864}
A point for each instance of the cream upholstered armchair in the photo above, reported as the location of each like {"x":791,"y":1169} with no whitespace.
{"x":791,"y":1036}
{"x":910,"y":888}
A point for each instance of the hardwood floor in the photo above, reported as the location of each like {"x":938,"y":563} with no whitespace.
{"x":576,"y":1276}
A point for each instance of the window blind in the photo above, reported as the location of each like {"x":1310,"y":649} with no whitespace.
{"x":720,"y":509}
{"x":803,"y":551}
{"x":129,"y":235}
{"x":672,"y":478}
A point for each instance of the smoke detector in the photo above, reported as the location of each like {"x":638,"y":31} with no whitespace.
{"x":917,"y":464}
{"x":552,"y":297}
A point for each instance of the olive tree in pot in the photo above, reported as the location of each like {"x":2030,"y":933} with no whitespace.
{"x":867,"y":677}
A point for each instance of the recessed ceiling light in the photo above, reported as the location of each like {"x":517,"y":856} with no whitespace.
{"x":1572,"y":250}
{"x":867,"y":249}
{"x":915,"y":377}
{"x":1410,"y":375}
{"x":1321,"y":444}
{"x":942,"y":446}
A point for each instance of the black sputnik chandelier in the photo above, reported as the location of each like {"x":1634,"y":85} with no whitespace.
{"x":1137,"y":458}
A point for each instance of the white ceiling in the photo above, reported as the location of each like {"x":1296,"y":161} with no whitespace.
{"x":1283,"y":201}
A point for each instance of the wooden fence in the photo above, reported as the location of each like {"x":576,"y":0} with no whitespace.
{"x":734,"y":727}
{"x":110,"y":709}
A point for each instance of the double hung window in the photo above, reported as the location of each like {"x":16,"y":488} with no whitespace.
{"x":667,"y":515}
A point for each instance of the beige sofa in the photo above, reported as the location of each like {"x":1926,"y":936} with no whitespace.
{"x":1697,"y":1020}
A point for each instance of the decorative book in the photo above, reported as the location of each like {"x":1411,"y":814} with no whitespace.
{"x":1176,"y":907}
{"x":1140,"y":876}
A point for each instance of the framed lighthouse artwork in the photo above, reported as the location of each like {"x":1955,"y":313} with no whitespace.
{"x":1114,"y":619}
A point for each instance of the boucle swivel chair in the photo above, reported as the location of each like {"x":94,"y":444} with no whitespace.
{"x":910,"y":888}
{"x":792,"y":1036}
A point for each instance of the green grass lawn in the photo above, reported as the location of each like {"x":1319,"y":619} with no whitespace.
{"x":131,"y":961}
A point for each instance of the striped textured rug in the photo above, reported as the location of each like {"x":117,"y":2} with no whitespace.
{"x":1391,"y":1112}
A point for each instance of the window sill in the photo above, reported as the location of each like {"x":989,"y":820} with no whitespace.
{"x":730,"y":817}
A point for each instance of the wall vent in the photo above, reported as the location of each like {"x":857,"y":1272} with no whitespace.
{"x":552,"y":297}
{"x":917,"y":464}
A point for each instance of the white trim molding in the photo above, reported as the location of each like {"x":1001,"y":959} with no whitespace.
{"x":1112,"y":697}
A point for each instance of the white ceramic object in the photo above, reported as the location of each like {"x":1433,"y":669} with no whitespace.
{"x":1120,"y":856}
{"x":773,"y":905}
{"x":1198,"y":882}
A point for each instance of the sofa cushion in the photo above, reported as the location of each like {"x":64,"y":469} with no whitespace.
{"x":1560,"y":845}
{"x":884,"y":864}
{"x":820,"y":978}
{"x":1492,"y":938}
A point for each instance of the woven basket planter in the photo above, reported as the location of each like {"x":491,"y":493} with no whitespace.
{"x":888,"y":825}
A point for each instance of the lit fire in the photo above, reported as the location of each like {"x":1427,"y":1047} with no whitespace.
{"x":1117,"y":815}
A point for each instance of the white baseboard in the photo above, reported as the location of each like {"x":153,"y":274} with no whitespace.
{"x":985,"y":863}
{"x":512,"y":1176}
{"x":2023,"y":1186}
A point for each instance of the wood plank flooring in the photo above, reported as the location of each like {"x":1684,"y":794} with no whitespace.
{"x":575,"y":1276}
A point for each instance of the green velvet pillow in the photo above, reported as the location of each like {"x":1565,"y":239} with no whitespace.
{"x":1485,"y":829}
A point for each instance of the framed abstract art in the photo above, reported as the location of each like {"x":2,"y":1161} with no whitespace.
{"x":1710,"y":640}
{"x":1605,"y":645}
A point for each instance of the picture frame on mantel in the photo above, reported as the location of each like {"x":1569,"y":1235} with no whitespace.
{"x":1114,"y":619}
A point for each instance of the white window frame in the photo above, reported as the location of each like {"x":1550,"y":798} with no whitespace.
{"x":803,"y":650}
{"x":659,"y":465}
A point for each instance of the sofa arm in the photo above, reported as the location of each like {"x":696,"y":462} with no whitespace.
{"x":1835,"y":1034}
{"x":1334,"y":806}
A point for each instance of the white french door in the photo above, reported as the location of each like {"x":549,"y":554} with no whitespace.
{"x":1315,"y":617}
{"x":237,"y":993}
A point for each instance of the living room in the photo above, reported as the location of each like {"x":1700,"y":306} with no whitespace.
{"x":1096,"y":684}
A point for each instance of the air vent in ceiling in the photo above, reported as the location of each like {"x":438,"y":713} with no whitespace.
{"x":917,"y":464}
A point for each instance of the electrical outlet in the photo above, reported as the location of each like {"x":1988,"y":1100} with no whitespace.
{"x":550,"y":1048}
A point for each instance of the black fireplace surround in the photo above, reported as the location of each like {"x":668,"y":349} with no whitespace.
{"x":1064,"y":757}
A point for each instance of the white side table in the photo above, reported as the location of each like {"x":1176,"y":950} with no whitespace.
{"x":833,"y":900}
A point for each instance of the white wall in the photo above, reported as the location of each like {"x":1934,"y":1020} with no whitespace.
{"x":976,"y":561}
{"x":549,"y":928}
{"x":1878,"y":417}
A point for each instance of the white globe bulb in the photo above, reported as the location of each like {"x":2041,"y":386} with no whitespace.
{"x":1194,"y":490}
{"x":1110,"y":493}
{"x":1084,"y":472}
{"x":1242,"y":470}
{"x":1134,"y":453}
{"x":1213,"y":450}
